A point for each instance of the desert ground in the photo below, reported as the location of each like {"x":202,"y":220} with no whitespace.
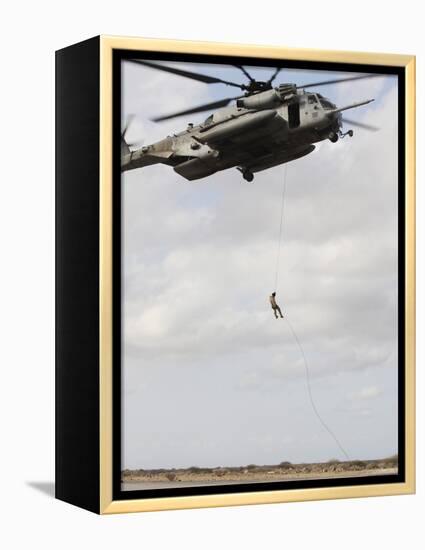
{"x":285,"y":471}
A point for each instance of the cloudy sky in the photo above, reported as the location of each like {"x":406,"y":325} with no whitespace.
{"x":210,"y":377}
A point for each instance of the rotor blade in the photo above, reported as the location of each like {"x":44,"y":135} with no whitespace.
{"x":360,"y":125}
{"x":127,"y":124}
{"x":198,"y":109}
{"x":137,"y":143}
{"x":187,"y":74}
{"x":274,"y":75}
{"x":338,"y":80}
{"x":245,"y":72}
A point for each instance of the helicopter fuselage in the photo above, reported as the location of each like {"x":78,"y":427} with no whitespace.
{"x":262,"y":130}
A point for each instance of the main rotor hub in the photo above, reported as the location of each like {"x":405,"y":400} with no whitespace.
{"x":256,"y":86}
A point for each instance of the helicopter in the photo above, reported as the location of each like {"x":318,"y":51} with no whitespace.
{"x":266,"y":126}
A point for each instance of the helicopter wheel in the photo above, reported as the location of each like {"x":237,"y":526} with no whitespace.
{"x":248,"y":175}
{"x":333,"y":137}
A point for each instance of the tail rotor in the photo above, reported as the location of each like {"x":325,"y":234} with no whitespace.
{"x":126,"y":146}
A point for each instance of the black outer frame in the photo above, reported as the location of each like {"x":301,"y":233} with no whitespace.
{"x":77,"y":457}
{"x":118,"y":493}
{"x":77,"y":277}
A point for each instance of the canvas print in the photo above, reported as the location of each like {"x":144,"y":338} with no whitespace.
{"x":259,"y":274}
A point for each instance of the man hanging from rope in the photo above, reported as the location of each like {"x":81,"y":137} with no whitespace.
{"x":275,"y":307}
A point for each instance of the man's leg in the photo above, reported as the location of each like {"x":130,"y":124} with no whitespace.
{"x":280,"y":313}
{"x":275,"y":312}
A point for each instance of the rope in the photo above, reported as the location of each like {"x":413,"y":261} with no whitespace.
{"x":310,"y":393}
{"x":307,"y":370}
{"x":282,"y":208}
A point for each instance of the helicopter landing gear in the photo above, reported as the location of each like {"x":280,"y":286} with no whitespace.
{"x":247,"y":174}
{"x":333,"y":137}
{"x":349,"y":133}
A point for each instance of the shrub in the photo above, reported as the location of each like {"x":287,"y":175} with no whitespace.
{"x":358,"y":463}
{"x":393,"y":460}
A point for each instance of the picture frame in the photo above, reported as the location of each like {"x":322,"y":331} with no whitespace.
{"x":89,"y":289}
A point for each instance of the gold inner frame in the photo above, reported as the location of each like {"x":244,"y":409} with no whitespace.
{"x":107,"y":504}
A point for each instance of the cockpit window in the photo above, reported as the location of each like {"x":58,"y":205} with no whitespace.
{"x":312,"y":99}
{"x":327,"y":105}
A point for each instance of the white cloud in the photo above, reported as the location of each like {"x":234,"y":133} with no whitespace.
{"x":369,"y":392}
{"x":199,"y":262}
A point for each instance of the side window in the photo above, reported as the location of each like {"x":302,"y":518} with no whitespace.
{"x":312,"y":99}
